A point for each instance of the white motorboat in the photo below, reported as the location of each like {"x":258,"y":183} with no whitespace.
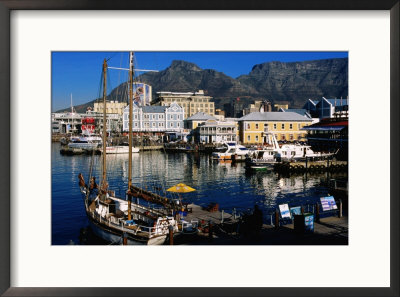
{"x":120,"y":149}
{"x":232,"y":151}
{"x":273,"y":153}
{"x":85,"y":142}
{"x":293,"y":152}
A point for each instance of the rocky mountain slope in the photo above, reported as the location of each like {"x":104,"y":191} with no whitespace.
{"x":278,"y":82}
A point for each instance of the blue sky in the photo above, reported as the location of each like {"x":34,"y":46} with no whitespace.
{"x":79,"y":73}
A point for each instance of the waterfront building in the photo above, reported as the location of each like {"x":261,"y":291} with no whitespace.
{"x":277,"y":107}
{"x":155,"y":120}
{"x":197,"y":119}
{"x":112,"y":107}
{"x":73,"y":123}
{"x":285,"y":125}
{"x":327,"y":108}
{"x":235,"y":109}
{"x":191,"y":102}
{"x":66,"y":122}
{"x":213,"y":131}
{"x":258,"y":105}
{"x":329,"y":134}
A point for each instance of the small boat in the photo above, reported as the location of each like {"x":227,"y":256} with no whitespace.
{"x":120,"y":149}
{"x":85,"y":142}
{"x":232,"y":151}
{"x":261,"y":159}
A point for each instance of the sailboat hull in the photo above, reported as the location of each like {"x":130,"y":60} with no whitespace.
{"x":116,"y":236}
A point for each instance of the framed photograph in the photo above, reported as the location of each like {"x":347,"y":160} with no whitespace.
{"x":237,"y":119}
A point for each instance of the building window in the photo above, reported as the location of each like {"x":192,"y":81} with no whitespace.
{"x":248,"y":126}
{"x":291,"y":136}
{"x":154,"y":124}
{"x":135,"y":124}
{"x":248,"y":137}
{"x":274,"y":126}
{"x":283,"y":126}
{"x":256,"y":138}
{"x":283,"y":136}
{"x":178,"y":125}
{"x":291,"y":126}
{"x":257,"y":126}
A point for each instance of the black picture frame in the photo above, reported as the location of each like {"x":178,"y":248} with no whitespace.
{"x":7,"y":6}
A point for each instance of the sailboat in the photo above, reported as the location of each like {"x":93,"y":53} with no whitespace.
{"x":119,"y":219}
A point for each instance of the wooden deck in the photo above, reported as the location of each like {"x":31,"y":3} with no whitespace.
{"x":200,"y":214}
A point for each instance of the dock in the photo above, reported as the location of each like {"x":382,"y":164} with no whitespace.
{"x":198,"y":213}
{"x":311,"y":166}
{"x":328,"y":231}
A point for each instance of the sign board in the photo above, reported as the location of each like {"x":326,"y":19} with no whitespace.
{"x":295,"y":210}
{"x":309,"y":223}
{"x":328,"y":203}
{"x":284,"y":209}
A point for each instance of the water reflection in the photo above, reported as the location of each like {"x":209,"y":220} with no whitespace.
{"x":228,"y":184}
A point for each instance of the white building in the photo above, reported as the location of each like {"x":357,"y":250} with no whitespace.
{"x":154,"y":118}
{"x":213,"y":131}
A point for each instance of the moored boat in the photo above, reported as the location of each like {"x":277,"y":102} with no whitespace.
{"x":85,"y":142}
{"x":232,"y":151}
{"x":120,"y":149}
{"x":119,"y":219}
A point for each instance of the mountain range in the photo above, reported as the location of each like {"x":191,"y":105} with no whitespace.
{"x":280,"y":82}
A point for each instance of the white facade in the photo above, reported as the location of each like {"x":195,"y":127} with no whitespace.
{"x":217,"y":132}
{"x":155,"y":118}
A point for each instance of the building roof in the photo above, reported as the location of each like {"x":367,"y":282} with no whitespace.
{"x":302,"y":112}
{"x":328,"y":126}
{"x":200,"y":116}
{"x":154,"y":109}
{"x":274,"y":116}
{"x":337,"y":101}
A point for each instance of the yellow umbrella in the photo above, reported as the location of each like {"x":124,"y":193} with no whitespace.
{"x":181,"y":188}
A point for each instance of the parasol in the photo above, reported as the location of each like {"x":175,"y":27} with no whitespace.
{"x":181,"y":188}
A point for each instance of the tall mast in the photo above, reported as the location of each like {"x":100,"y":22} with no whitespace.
{"x":130,"y":116}
{"x":104,"y":121}
{"x":72,"y":117}
{"x":131,"y":73}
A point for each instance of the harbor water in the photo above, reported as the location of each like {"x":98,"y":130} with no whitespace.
{"x":227,"y":184}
